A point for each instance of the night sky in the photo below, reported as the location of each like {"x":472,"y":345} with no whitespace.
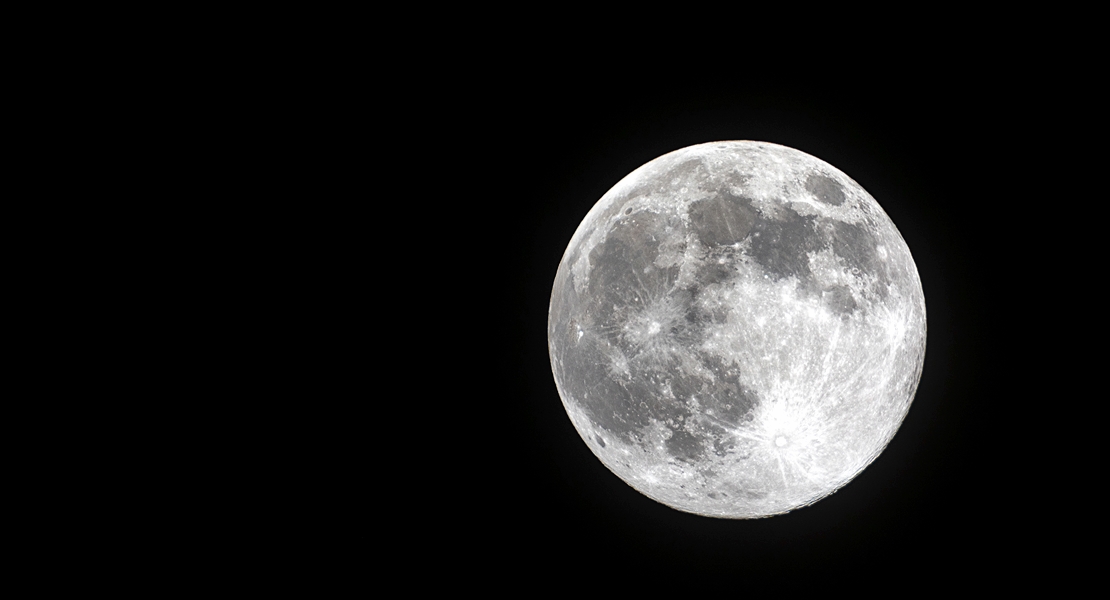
{"x":943,"y":162}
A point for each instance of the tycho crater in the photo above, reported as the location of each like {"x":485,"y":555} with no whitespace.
{"x":737,"y":329}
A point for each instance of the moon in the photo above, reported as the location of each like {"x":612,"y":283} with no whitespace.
{"x":737,"y":329}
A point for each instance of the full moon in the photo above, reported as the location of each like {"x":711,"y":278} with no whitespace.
{"x":737,"y":329}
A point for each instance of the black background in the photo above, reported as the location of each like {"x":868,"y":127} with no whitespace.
{"x":951,"y":158}
{"x":445,"y":170}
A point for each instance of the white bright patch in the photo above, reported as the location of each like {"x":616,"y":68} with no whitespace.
{"x":798,"y":431}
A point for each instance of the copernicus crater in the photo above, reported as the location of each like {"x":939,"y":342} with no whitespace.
{"x":737,"y":329}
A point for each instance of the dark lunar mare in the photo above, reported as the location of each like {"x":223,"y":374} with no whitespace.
{"x":826,"y":190}
{"x":722,"y":219}
{"x":623,"y":280}
{"x":781,"y":246}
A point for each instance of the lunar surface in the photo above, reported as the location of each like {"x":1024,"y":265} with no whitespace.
{"x":737,"y":329}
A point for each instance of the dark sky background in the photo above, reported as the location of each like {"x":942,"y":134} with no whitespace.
{"x":942,"y":157}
